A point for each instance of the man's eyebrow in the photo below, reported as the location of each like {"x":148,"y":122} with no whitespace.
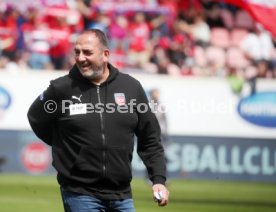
{"x":85,"y":49}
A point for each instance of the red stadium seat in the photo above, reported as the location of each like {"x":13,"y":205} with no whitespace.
{"x":200,"y":56}
{"x":220,"y":37}
{"x":228,"y":18}
{"x":237,"y":35}
{"x":243,"y":20}
{"x":235,"y":58}
{"x":216,"y":55}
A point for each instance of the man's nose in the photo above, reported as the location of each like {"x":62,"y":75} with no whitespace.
{"x":81,"y":57}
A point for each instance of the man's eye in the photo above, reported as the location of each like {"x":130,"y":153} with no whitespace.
{"x":85,"y":53}
{"x":88,"y":53}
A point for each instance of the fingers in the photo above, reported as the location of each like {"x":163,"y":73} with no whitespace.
{"x":165,"y":200}
{"x":161,"y":194}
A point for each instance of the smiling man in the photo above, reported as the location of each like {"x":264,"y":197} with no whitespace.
{"x":92,"y":151}
{"x":91,"y":52}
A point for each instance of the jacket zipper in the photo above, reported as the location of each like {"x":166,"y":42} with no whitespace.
{"x":102,"y":133}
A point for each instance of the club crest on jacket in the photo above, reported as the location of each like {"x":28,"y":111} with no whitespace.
{"x":120,"y":98}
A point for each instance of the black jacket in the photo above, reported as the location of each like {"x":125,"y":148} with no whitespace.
{"x":92,"y":150}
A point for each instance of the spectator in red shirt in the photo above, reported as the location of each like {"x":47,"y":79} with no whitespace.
{"x":37,"y":37}
{"x":60,"y":42}
{"x":139,"y":35}
{"x":8,"y":31}
{"x":118,"y":32}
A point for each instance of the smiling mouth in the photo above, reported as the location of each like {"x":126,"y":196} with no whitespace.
{"x":85,"y":66}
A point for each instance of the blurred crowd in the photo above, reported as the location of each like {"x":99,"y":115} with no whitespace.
{"x":181,"y":38}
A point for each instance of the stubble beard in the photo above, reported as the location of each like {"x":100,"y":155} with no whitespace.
{"x":95,"y":73}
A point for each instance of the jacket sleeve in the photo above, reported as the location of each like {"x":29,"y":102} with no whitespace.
{"x":149,"y":146}
{"x":42,"y":114}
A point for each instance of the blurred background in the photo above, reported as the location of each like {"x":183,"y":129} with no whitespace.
{"x":209,"y":65}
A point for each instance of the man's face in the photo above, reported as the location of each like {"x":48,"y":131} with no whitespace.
{"x":90,"y":56}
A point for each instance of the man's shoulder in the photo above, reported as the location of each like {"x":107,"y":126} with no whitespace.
{"x":126,"y":78}
{"x":61,"y":81}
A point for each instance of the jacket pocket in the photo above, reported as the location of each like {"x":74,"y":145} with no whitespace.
{"x":87,"y":165}
{"x":119,"y":166}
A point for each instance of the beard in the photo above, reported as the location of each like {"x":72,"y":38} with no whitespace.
{"x":94,"y":72}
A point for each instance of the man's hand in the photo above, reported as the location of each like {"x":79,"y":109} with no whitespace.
{"x":160,"y":194}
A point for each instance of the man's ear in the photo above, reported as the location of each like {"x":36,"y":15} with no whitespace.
{"x":106,"y":54}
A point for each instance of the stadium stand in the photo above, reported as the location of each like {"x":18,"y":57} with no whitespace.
{"x":190,"y":33}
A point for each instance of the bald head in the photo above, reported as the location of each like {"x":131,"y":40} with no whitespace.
{"x":99,"y":34}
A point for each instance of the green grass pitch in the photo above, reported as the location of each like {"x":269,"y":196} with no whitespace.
{"x":41,"y":194}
